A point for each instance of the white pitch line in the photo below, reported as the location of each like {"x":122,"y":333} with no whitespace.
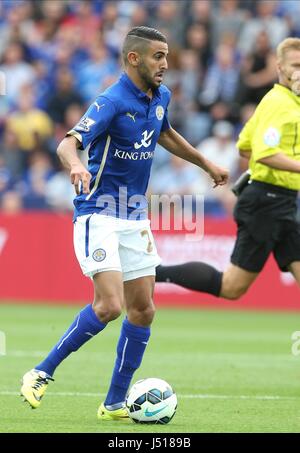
{"x":183,"y":396}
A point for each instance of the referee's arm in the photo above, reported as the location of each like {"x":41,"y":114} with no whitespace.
{"x":246,"y":153}
{"x":280,"y":161}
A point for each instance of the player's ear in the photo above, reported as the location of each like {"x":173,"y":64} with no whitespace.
{"x":133,"y":59}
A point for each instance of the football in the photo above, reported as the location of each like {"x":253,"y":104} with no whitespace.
{"x":151,"y":400}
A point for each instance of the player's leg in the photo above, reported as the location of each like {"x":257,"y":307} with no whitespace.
{"x":93,"y":318}
{"x":139,"y":258}
{"x":134,"y":336}
{"x":194,"y":275}
{"x":294,"y":268}
{"x":108,"y":290}
{"x":198,"y":276}
{"x":287,"y":251}
{"x":247,"y":260}
{"x":89,"y":322}
{"x":236,"y":282}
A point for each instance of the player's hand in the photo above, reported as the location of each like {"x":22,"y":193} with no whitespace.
{"x":79,"y":174}
{"x":218,"y":175}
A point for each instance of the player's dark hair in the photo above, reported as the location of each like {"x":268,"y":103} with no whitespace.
{"x":137,"y":40}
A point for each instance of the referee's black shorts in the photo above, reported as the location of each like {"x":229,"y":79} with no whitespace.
{"x":266,"y":218}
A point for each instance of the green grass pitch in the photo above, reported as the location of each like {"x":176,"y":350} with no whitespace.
{"x":233,"y":371}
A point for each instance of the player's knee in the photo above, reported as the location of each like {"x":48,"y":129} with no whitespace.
{"x":142,"y":314}
{"x":232,"y":289}
{"x":107,"y":310}
{"x":234,"y":292}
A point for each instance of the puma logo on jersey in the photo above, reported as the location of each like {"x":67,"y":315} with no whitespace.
{"x":131,"y":116}
{"x":98,"y":106}
{"x":146,"y":140}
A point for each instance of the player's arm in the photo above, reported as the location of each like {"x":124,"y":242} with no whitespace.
{"x":67,"y":153}
{"x":281,"y":162}
{"x":176,"y":144}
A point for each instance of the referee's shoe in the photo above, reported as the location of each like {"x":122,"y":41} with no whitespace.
{"x":34,"y":385}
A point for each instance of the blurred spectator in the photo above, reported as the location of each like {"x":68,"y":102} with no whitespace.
{"x":170,"y":21}
{"x":221,"y":80}
{"x":258,"y":72}
{"x":65,"y":95}
{"x":6,"y":180}
{"x":18,"y":26}
{"x":17,"y":71}
{"x":197,"y":39}
{"x":290,"y":11}
{"x":59,"y":55}
{"x":219,"y":148}
{"x":179,"y":178}
{"x":30,"y":125}
{"x":33,"y":186}
{"x":83,"y":22}
{"x":92,"y":77}
{"x":11,"y":203}
{"x":73,"y":114}
{"x":229,"y":19}
{"x":13,"y":157}
{"x":266,"y":20}
{"x":59,"y":193}
{"x":200,"y":12}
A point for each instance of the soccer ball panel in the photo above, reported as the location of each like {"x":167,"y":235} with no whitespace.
{"x":151,"y":400}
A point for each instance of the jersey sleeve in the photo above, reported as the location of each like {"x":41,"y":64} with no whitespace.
{"x":245,"y":136}
{"x":95,"y":121}
{"x":267,"y":139}
{"x":165,"y":123}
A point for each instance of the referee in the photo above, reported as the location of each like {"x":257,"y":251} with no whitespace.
{"x":266,"y":209}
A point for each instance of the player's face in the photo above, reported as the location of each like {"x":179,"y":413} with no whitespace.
{"x":289,"y":70}
{"x":153,"y":64}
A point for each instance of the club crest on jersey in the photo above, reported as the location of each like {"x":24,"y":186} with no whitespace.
{"x":85,"y":124}
{"x":160,"y":112}
{"x":99,"y":255}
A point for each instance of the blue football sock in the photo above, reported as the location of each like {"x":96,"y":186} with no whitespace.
{"x":85,"y":326}
{"x":130,"y":350}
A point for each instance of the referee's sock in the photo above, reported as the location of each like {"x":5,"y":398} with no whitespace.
{"x":194,"y":275}
{"x":130,"y":350}
{"x":85,"y":326}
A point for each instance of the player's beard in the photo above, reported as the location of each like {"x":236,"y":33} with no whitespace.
{"x":145,"y":75}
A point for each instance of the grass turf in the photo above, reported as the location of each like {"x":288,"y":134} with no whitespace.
{"x":233,"y":371}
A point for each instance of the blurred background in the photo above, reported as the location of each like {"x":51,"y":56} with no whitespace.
{"x":58,"y":55}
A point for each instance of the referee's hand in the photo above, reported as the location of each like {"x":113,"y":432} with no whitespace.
{"x":218,"y":175}
{"x":79,"y":174}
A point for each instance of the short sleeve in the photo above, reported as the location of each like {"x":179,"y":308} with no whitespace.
{"x":245,"y":136}
{"x":267,"y":140}
{"x":165,"y":122}
{"x":95,"y":121}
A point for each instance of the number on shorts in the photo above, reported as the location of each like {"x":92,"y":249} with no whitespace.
{"x":150,"y":245}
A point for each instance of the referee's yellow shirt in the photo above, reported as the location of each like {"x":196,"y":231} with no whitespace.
{"x":273,"y":128}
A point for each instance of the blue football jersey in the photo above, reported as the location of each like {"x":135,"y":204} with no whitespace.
{"x":120,"y":130}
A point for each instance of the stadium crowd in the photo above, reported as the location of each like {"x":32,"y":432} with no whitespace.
{"x":58,"y":55}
